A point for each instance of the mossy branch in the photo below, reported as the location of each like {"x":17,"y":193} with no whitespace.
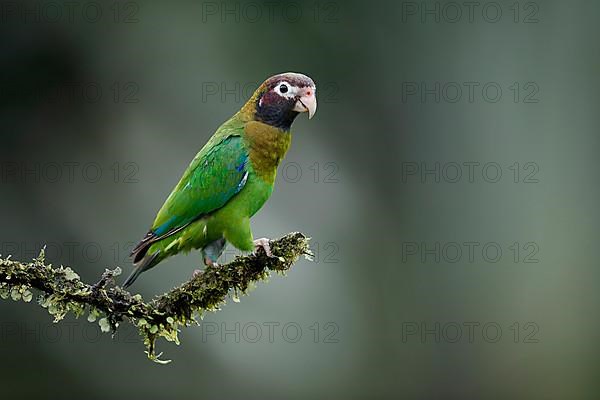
{"x":62,"y":291}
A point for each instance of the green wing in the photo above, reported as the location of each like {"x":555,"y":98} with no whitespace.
{"x":216,"y":174}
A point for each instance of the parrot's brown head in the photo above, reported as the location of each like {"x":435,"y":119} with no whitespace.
{"x":279,"y":100}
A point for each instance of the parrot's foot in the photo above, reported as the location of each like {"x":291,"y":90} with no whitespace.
{"x":196,"y":273}
{"x":264,"y":244}
{"x":209,"y":262}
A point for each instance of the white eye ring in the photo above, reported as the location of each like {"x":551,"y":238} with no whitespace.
{"x":284,"y":89}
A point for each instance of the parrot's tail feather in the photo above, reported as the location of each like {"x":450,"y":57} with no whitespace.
{"x":144,"y":261}
{"x":140,"y":249}
{"x":136,"y":272}
{"x":147,"y":262}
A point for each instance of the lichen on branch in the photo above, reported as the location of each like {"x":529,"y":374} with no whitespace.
{"x":62,"y":291}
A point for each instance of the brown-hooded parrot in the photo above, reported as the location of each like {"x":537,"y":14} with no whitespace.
{"x":230,"y":178}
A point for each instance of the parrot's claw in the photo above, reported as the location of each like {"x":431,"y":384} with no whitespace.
{"x":264,"y":244}
{"x":209,"y":262}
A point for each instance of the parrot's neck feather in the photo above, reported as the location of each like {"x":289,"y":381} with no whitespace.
{"x":267,"y":146}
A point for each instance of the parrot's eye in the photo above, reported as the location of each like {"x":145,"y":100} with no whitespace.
{"x":284,"y":89}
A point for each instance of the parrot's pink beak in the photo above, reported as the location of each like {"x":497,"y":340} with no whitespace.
{"x":307,"y":101}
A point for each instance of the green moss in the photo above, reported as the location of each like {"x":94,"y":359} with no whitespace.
{"x":62,"y":291}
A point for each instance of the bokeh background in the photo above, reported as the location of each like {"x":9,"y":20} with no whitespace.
{"x":441,"y":128}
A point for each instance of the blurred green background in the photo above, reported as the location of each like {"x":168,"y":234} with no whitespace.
{"x":448,"y":181}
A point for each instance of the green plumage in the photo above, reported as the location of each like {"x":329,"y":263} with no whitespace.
{"x":219,"y":192}
{"x":229,"y":180}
